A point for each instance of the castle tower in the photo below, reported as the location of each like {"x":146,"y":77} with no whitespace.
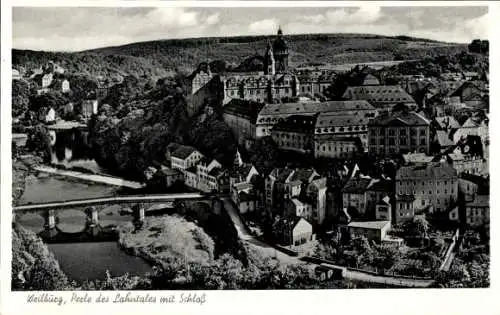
{"x":280,"y":49}
{"x":269,"y":63}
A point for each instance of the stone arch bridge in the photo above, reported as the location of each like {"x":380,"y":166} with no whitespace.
{"x":140,"y":205}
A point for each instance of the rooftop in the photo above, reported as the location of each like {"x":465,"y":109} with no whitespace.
{"x":428,"y":171}
{"x":443,"y":138}
{"x":446,"y":122}
{"x":375,"y":225}
{"x":183,"y":151}
{"x":330,"y":119}
{"x":356,"y":185}
{"x":243,"y":108}
{"x":379,"y":94}
{"x":400,"y":119}
{"x":316,"y":107}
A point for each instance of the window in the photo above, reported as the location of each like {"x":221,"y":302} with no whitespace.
{"x":391,"y":141}
{"x":422,"y":132}
{"x":423,"y":202}
{"x":423,"y":141}
{"x":391,"y":132}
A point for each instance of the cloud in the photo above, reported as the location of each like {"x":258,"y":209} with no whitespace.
{"x":65,"y":28}
{"x":318,"y":18}
{"x":213,"y":19}
{"x":364,"y":15}
{"x":263,"y":27}
{"x":477,"y":27}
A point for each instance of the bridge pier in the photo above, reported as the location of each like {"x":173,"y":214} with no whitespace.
{"x":92,"y":216}
{"x":139,"y":212}
{"x":50,"y":219}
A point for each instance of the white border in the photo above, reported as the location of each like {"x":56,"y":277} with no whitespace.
{"x":371,"y":301}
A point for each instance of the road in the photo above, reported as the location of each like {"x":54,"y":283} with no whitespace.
{"x":392,"y":281}
{"x":91,"y":177}
{"x":251,"y":240}
{"x":106,"y":200}
{"x":283,"y":258}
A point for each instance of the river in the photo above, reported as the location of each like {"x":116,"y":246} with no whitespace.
{"x":80,"y":261}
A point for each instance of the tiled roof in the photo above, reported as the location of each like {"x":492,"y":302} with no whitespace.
{"x":379,"y":94}
{"x":401,"y":118}
{"x":183,"y":151}
{"x":302,"y":174}
{"x":417,"y":158}
{"x":443,"y":138}
{"x":405,"y":198}
{"x":429,"y":171}
{"x":313,"y":108}
{"x":376,"y":225}
{"x":334,"y":119}
{"x":281,"y":174}
{"x":287,"y":223}
{"x":382,"y":185}
{"x":243,"y":108}
{"x":476,"y":179}
{"x":447,"y":122}
{"x":241,"y":171}
{"x":356,"y":185}
{"x":459,"y":92}
{"x":319,"y":183}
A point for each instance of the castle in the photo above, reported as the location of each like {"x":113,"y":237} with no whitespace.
{"x":272,"y":85}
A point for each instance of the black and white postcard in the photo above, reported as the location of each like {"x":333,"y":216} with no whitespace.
{"x":248,"y":157}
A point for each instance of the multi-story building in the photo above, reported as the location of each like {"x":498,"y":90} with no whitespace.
{"x":46,"y":80}
{"x":292,"y":231}
{"x":184,"y":157}
{"x":305,"y":185}
{"x":381,"y":96}
{"x":333,"y":146}
{"x":295,"y":133}
{"x":241,"y":187}
{"x":209,"y":173}
{"x":354,"y":196}
{"x":361,"y":194}
{"x":271,"y":114}
{"x":241,"y":117}
{"x":89,"y":108}
{"x":477,"y":212}
{"x":336,"y":124}
{"x":432,"y":187}
{"x":472,"y":127}
{"x":262,"y":88}
{"x":399,"y":133}
{"x":315,"y":83}
{"x":466,"y":163}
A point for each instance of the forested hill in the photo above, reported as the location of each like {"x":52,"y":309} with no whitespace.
{"x":156,"y":59}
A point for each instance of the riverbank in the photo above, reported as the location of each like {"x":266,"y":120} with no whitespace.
{"x":91,"y":177}
{"x":162,"y":240}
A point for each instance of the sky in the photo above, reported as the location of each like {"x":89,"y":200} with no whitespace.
{"x":81,"y":28}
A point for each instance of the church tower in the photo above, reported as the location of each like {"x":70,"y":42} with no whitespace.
{"x":269,"y":63}
{"x":280,"y":49}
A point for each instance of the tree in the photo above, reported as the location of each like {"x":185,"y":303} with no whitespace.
{"x":39,"y":141}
